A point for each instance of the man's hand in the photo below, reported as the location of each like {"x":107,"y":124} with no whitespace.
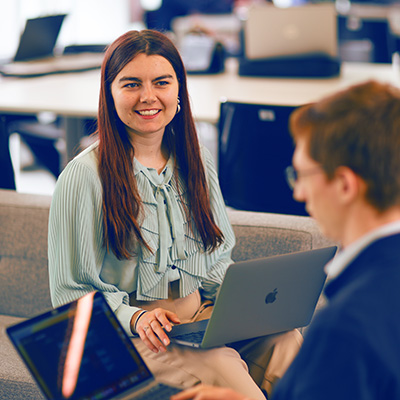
{"x":203,"y":392}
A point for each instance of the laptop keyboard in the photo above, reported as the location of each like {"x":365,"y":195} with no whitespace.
{"x":192,"y":337}
{"x":159,"y":392}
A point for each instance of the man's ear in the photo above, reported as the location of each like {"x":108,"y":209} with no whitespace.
{"x":349,"y":185}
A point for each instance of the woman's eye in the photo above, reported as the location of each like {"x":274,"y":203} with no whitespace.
{"x":162,"y":83}
{"x":131,"y":85}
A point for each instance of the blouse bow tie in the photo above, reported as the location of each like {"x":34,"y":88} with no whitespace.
{"x":169,"y":219}
{"x":168,"y":211}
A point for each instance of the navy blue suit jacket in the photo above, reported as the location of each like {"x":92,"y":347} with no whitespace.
{"x":352,"y":348}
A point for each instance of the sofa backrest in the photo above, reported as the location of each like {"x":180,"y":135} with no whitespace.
{"x":24,"y":284}
{"x":260,"y":234}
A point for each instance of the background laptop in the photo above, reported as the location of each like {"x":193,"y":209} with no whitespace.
{"x":108,"y":364}
{"x":261,"y":297}
{"x":270,"y":31}
{"x":35,"y":54}
{"x":39,"y":37}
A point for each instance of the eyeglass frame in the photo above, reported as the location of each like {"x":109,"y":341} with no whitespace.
{"x":292,"y":175}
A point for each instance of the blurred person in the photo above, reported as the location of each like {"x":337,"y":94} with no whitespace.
{"x":346,"y":168}
{"x":161,"y":18}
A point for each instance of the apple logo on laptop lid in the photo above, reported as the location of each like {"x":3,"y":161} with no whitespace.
{"x":271,"y":297}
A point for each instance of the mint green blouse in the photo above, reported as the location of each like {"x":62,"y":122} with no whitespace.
{"x":79,"y":262}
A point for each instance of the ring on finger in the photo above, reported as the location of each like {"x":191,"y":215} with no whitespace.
{"x":146,"y":327}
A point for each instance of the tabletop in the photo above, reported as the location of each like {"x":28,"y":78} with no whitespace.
{"x":76,"y":94}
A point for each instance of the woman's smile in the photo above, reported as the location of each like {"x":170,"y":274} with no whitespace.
{"x":145,"y":94}
{"x":148,"y":113}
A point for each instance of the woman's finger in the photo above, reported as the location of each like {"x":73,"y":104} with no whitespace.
{"x":142,"y":331}
{"x":151,"y":328}
{"x":153,"y":333}
{"x":157,"y":335}
{"x":165,"y":318}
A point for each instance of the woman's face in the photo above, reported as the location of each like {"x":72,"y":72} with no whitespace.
{"x":145,"y":94}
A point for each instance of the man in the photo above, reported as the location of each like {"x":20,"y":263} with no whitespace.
{"x":346,"y":168}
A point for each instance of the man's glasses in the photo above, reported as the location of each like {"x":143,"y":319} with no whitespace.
{"x":292,"y":175}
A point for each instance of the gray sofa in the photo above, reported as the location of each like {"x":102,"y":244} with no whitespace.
{"x":24,"y":287}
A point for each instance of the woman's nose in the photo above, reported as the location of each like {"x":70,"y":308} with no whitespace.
{"x":147,"y":95}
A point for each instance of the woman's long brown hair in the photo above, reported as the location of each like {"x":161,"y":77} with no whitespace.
{"x":121,"y":200}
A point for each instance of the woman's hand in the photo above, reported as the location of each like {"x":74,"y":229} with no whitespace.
{"x":204,"y":392}
{"x":151,"y":327}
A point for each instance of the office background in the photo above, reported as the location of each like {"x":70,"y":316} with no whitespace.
{"x":101,"y":21}
{"x":85,"y":23}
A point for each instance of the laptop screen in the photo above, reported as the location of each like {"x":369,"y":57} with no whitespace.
{"x":39,"y":37}
{"x":80,"y":351}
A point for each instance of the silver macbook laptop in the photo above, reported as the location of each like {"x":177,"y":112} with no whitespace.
{"x":80,"y":351}
{"x":261,"y":297}
{"x":270,"y":31}
{"x":35,"y":54}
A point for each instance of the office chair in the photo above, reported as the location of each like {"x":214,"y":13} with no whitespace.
{"x":45,"y":138}
{"x":254,"y":148}
{"x":7,"y":179}
{"x":364,"y":39}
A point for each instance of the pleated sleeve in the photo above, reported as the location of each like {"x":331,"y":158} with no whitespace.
{"x":75,"y":240}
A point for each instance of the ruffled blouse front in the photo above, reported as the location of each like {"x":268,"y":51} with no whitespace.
{"x":176,"y":250}
{"x":79,"y":262}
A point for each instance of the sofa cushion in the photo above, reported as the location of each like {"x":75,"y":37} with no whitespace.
{"x":16,"y":382}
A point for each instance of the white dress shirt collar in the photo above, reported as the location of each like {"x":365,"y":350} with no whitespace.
{"x":348,"y":254}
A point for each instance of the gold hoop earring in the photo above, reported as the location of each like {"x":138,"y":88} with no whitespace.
{"x":178,"y":107}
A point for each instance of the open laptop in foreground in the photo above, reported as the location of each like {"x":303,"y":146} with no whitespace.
{"x":261,"y":297}
{"x":80,"y":351}
{"x":35,"y":54}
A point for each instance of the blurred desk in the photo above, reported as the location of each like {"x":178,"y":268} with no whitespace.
{"x":206,"y":91}
{"x":75,"y":96}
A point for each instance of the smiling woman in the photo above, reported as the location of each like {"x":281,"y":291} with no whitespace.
{"x":145,"y":95}
{"x":139,"y":216}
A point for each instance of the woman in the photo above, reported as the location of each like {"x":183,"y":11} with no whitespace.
{"x":140,"y":217}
